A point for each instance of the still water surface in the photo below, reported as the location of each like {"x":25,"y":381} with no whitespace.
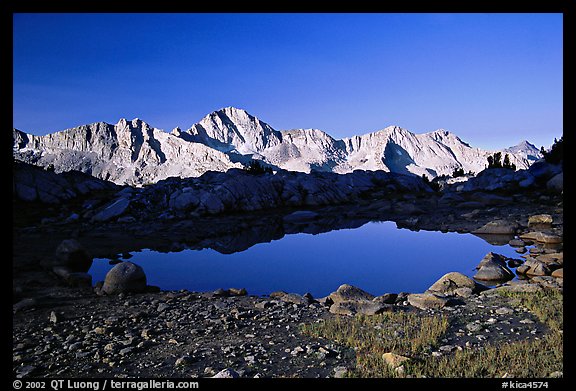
{"x":377,"y":257}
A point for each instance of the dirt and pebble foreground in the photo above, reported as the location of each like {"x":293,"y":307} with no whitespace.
{"x":186,"y":334}
{"x":173,"y":334}
{"x":63,"y":331}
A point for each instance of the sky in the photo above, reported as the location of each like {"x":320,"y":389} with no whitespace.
{"x":492,"y":79}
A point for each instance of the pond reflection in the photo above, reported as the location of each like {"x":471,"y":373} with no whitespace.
{"x":376,"y":256}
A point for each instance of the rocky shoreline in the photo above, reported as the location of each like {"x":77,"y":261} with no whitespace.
{"x":187,"y":334}
{"x":64,"y":326}
{"x":70,"y":331}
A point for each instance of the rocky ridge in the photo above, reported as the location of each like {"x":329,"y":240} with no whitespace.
{"x":134,"y":153}
{"x":130,"y":152}
{"x":216,"y":193}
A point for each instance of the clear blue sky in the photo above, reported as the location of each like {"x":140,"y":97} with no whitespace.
{"x":493,"y":79}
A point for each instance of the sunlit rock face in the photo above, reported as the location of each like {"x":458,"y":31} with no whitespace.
{"x":130,"y":152}
{"x":134,"y":153}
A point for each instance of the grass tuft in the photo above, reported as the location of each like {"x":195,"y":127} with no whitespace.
{"x":405,"y":333}
{"x":414,"y":335}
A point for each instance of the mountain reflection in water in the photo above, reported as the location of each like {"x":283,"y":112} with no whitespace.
{"x":375,"y":256}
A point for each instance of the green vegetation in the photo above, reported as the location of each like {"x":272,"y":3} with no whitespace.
{"x":411,"y":334}
{"x":458,"y":172}
{"x":556,"y":154}
{"x":546,"y":305}
{"x":434,"y":185}
{"x":257,"y":168}
{"x":535,"y":358}
{"x":405,"y":333}
{"x":494,"y":161}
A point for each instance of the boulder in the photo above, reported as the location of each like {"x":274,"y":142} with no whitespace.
{"x":347,"y":292}
{"x":558,"y":273}
{"x":527,"y":181}
{"x":539,"y":269}
{"x":543,"y":237}
{"x":238,"y":291}
{"x":464,"y":292}
{"x":556,"y":183}
{"x":112,"y":210}
{"x":402,"y":297}
{"x":211,"y":204}
{"x":539,"y":220}
{"x":489,"y":180}
{"x":220,"y":292}
{"x":183,"y":199}
{"x":426,"y":301}
{"x":522,"y":269}
{"x":183,"y":361}
{"x":73,"y":256}
{"x":363,"y":307}
{"x":387,"y":298}
{"x":31,"y":183}
{"x":492,"y":258}
{"x":124,"y":277}
{"x":340,"y":372}
{"x":498,"y":227}
{"x":543,"y":171}
{"x":551,"y":257}
{"x":450,"y":282}
{"x":536,"y":268}
{"x":293,"y":298}
{"x":350,"y":300}
{"x":512,"y":263}
{"x":493,"y":268}
{"x":516,"y":243}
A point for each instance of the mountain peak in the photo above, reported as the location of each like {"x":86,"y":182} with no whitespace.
{"x":233,"y":129}
{"x":443,"y":132}
{"x":525,"y":144}
{"x":444,"y":136}
{"x":525,"y":149}
{"x":139,"y":152}
{"x":125,"y":120}
{"x":233,"y":112}
{"x":232,"y":109}
{"x":393,"y":129}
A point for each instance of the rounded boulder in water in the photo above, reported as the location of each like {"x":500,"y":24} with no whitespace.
{"x":125,"y":277}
